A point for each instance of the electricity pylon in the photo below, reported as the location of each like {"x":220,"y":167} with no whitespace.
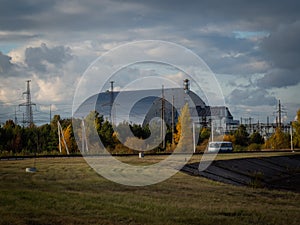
{"x":28,"y":119}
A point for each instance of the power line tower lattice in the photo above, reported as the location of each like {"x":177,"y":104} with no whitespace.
{"x":28,"y":119}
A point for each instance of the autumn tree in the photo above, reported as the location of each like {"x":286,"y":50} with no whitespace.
{"x":229,"y":137}
{"x":184,"y":133}
{"x":67,"y":135}
{"x":296,"y":128}
{"x":278,"y":140}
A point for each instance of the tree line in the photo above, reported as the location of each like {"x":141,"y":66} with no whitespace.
{"x":18,"y":140}
{"x":278,"y":140}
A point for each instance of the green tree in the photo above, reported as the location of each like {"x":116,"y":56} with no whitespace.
{"x":53,"y":141}
{"x":93,"y":123}
{"x":139,"y":131}
{"x":106,"y":135}
{"x":241,"y":136}
{"x":256,"y":138}
{"x":45,"y":137}
{"x":30,"y":136}
{"x":204,"y":134}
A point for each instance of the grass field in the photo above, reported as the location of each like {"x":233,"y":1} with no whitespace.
{"x":68,"y":191}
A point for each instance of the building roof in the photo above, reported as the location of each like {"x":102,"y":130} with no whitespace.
{"x":140,"y":106}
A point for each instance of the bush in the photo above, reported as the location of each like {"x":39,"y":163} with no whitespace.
{"x":170,"y":147}
{"x":254,"y":147}
{"x":121,"y":149}
{"x":239,"y":148}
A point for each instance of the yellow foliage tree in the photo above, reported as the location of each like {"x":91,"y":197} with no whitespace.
{"x":184,"y":135}
{"x":178,"y":129}
{"x":68,"y":139}
{"x":296,"y":128}
{"x":279,"y":140}
{"x":229,"y":137}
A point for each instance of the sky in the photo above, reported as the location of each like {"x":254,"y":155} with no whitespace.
{"x":252,"y":47}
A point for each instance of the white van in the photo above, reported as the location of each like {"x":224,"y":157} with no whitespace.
{"x":220,"y":146}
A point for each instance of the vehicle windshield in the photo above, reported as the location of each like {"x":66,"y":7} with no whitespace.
{"x":215,"y":145}
{"x":226,"y":145}
{"x":219,"y":145}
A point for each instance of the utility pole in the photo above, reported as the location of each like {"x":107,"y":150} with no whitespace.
{"x":279,"y":114}
{"x":250,"y":125}
{"x":291,"y":133}
{"x":212,"y":130}
{"x":162,"y":116}
{"x":16,"y":119}
{"x":173,"y":120}
{"x":23,"y":121}
{"x":28,"y":104}
{"x":84,"y":143}
{"x":268,"y":128}
{"x":50,"y":112}
{"x":111,"y":102}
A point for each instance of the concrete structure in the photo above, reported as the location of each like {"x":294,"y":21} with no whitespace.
{"x":148,"y":104}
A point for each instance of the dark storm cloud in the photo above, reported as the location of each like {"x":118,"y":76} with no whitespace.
{"x":278,"y":78}
{"x":235,"y":56}
{"x":94,"y":14}
{"x":19,"y":14}
{"x":65,"y":15}
{"x":9,"y":37}
{"x":282,"y":48}
{"x":256,"y":13}
{"x":176,"y":19}
{"x":250,"y":97}
{"x":38,"y":57}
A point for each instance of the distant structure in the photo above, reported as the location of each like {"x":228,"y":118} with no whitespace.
{"x":159,"y":103}
{"x":28,"y":118}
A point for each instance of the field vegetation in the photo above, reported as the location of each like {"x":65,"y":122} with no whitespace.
{"x":67,"y":191}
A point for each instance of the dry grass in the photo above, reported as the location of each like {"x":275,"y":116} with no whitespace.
{"x":68,"y":191}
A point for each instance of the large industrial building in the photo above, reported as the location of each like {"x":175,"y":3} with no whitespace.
{"x":140,"y":106}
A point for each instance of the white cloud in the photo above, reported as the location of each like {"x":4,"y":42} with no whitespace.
{"x":51,"y":90}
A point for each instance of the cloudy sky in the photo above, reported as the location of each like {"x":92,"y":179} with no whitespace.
{"x":251,"y":46}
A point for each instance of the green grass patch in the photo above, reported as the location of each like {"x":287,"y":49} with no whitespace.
{"x":68,"y":191}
